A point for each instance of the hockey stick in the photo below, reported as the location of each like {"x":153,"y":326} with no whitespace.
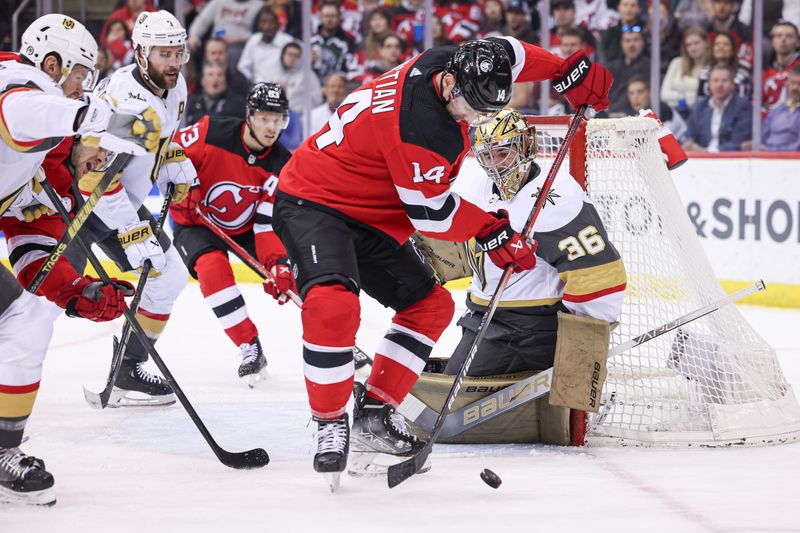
{"x":361,"y":358}
{"x":402,"y":471}
{"x":254,"y":458}
{"x":99,"y":401}
{"x":75,"y":224}
{"x":536,"y":386}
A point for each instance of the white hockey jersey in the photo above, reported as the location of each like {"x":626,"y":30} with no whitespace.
{"x":35,"y":116}
{"x":119,"y":205}
{"x":575,"y":263}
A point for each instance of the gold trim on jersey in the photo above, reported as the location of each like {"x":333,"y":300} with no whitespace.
{"x":16,"y":405}
{"x":593,"y":279}
{"x":515,"y":303}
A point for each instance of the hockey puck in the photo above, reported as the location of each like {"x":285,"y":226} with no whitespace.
{"x":490,"y":478}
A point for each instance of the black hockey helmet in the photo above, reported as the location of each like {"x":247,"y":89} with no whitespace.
{"x":483,"y":75}
{"x":268,"y":97}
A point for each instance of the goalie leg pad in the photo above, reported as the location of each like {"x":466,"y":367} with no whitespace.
{"x":579,"y":371}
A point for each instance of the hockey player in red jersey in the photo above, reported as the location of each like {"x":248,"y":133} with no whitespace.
{"x":354,"y":192}
{"x":237,"y":162}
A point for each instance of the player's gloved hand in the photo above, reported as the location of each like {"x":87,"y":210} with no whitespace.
{"x":583,"y":82}
{"x":505,"y":246}
{"x":282,"y":280}
{"x":32,"y":202}
{"x":96,"y":301}
{"x":140,"y":244}
{"x":129,"y":126}
{"x":177,"y":169}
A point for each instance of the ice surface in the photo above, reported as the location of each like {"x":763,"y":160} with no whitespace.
{"x":149,"y":470}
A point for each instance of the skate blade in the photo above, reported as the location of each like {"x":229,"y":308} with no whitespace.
{"x":372,"y":464}
{"x":126,"y":398}
{"x":253,"y":380}
{"x":46,"y":497}
{"x":333,"y":479}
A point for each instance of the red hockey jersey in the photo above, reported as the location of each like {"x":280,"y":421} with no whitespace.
{"x":388,"y":154}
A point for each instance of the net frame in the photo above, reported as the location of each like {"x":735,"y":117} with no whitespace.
{"x":714,"y":382}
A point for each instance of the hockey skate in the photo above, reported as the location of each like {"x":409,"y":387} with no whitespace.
{"x":24,"y":480}
{"x":254,"y":365}
{"x":135,"y":387}
{"x":333,"y":444}
{"x":380,"y":437}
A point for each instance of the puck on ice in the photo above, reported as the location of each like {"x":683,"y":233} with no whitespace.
{"x":490,"y":478}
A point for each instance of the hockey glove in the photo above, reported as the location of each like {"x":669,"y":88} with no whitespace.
{"x":32,"y":202}
{"x":129,"y":126}
{"x":505,"y":246}
{"x":583,"y":82}
{"x":140,"y":244}
{"x":282,"y":280}
{"x":95,"y":301}
{"x":177,"y":169}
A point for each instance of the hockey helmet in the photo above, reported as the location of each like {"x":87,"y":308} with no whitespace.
{"x":268,"y":97}
{"x":159,"y":29}
{"x":482,"y":70}
{"x":62,"y":35}
{"x":505,"y":148}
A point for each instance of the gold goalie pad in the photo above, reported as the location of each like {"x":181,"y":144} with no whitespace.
{"x":533,"y":422}
{"x":448,"y":259}
{"x":579,"y":370}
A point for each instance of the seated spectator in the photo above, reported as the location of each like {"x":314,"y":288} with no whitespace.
{"x":629,"y":15}
{"x":380,"y":25}
{"x":594,"y":15}
{"x":517,"y":23}
{"x":639,"y":97}
{"x":263,"y":49}
{"x":391,"y":55}
{"x":408,"y":22}
{"x":331,"y":47}
{"x":723,"y":120}
{"x":334,"y":91}
{"x":679,"y":86}
{"x":494,"y":18}
{"x":785,"y":42}
{"x":127,"y":15}
{"x":782,"y":127}
{"x":669,"y":33}
{"x":724,"y":18}
{"x":571,"y":42}
{"x":213,"y":98}
{"x":723,"y":50}
{"x":691,"y":13}
{"x":460,"y":19}
{"x":118,"y":44}
{"x":563,"y":12}
{"x":230,"y":20}
{"x":633,"y":61}
{"x":440,"y":38}
{"x":302,"y":88}
{"x":216,"y":53}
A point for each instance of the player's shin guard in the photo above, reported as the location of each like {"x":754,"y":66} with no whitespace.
{"x":331,"y":315}
{"x":219,"y":289}
{"x":16,"y":404}
{"x":402,"y":353}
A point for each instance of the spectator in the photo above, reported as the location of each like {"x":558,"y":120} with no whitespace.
{"x":334,"y":91}
{"x":118,"y":44}
{"x":439,"y":36}
{"x":629,"y":15}
{"x":669,"y":33}
{"x":331,"y":47}
{"x":302,"y":89}
{"x":785,"y":41}
{"x":262,"y":52}
{"x":594,"y":15}
{"x":127,"y":15}
{"x":691,"y":13}
{"x":380,"y":25}
{"x":639,"y":97}
{"x":782,"y":127}
{"x":216,"y":53}
{"x":408,"y":22}
{"x":494,"y":18}
{"x":461,"y":19}
{"x":517,"y":24}
{"x":571,"y":42}
{"x":633,"y":61}
{"x":104,"y":67}
{"x":391,"y":55}
{"x":723,"y":120}
{"x":680,"y":85}
{"x":231,"y":20}
{"x":723,"y":50}
{"x":563,"y":12}
{"x":724,"y":18}
{"x":213,"y":99}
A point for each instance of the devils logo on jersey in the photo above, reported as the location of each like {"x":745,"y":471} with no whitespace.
{"x":231,"y":205}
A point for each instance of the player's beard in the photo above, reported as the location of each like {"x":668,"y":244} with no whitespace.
{"x":160,"y":80}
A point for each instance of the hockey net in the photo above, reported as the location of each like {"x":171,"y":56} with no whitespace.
{"x":713,"y":382}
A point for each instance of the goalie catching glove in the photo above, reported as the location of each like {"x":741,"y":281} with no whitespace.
{"x":177,"y":169}
{"x":282,"y":280}
{"x":583,"y":82}
{"x":140,"y":245}
{"x":89,"y":298}
{"x":505,"y":246}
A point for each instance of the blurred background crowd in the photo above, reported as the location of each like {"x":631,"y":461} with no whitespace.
{"x":705,"y":69}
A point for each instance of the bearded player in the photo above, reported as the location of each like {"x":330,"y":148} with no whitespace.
{"x":237,"y":162}
{"x":353,"y":193}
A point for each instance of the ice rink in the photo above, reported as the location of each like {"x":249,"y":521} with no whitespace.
{"x":149,"y":470}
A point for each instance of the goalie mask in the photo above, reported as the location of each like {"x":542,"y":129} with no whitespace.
{"x":505,"y":148}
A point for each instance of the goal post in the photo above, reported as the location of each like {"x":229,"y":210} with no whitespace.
{"x":714,"y":382}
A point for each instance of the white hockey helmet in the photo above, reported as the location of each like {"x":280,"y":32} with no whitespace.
{"x":63,"y":35}
{"x":159,"y":29}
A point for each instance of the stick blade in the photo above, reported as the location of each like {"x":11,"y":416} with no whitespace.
{"x":255,"y":458}
{"x":93,"y":399}
{"x":402,"y":471}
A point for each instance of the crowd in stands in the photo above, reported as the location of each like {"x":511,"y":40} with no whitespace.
{"x":706,"y":56}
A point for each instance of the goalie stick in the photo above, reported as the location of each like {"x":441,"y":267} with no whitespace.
{"x":100,"y":401}
{"x":402,"y":471}
{"x":254,"y":458}
{"x":538,"y":385}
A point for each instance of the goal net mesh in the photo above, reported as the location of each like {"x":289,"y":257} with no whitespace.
{"x":713,"y":381}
